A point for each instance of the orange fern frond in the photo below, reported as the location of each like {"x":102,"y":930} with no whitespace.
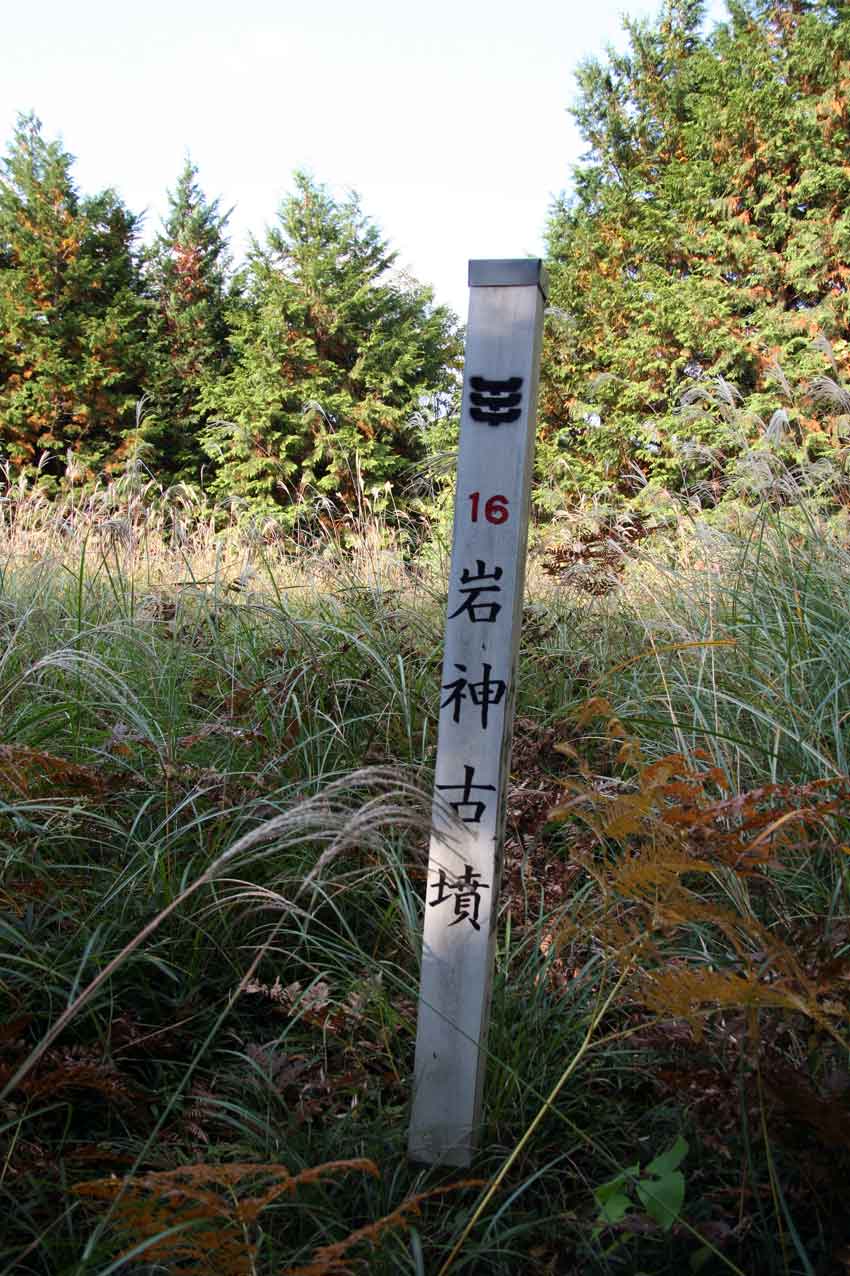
{"x":684,"y":992}
{"x":643,"y":876}
{"x":328,"y":1260}
{"x":209,"y":1204}
{"x":63,"y":1071}
{"x":26,"y":772}
{"x":596,"y":707}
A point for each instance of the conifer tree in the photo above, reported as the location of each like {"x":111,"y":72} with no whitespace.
{"x":71,"y":316}
{"x":188,"y":343}
{"x":707,"y":236}
{"x":334,"y":354}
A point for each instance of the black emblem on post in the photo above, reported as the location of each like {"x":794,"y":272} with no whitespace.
{"x":495,"y":402}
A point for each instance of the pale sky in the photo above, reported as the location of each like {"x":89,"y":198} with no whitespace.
{"x":449,"y":118}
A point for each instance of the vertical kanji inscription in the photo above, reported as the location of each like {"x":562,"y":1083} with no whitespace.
{"x":485,"y":590}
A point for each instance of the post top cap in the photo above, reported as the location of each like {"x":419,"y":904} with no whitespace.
{"x":510,"y":272}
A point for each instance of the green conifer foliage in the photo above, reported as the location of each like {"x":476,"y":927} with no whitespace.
{"x":188,"y":342}
{"x":71,"y":317}
{"x":707,"y":236}
{"x":334,"y":354}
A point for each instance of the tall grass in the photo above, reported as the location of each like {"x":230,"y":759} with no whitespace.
{"x":214,"y":775}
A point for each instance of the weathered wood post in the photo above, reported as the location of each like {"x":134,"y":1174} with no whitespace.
{"x":476,"y":705}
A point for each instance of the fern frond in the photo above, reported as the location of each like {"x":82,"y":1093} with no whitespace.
{"x":26,"y":772}
{"x":200,"y":1218}
{"x":685,"y":992}
{"x":328,"y":1260}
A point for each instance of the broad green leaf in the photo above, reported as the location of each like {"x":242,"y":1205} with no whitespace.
{"x":615,"y":1207}
{"x":605,"y":1189}
{"x":669,"y":1160}
{"x":662,"y":1198}
{"x":610,"y":1197}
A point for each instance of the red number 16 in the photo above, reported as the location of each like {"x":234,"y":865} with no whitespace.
{"x":495,"y":508}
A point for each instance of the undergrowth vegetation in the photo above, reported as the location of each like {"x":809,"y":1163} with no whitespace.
{"x":215,"y":772}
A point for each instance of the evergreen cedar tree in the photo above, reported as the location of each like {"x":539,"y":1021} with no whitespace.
{"x":708,"y":235}
{"x":71,"y":313}
{"x":334,"y":356}
{"x":188,"y":343}
{"x":303,"y":374}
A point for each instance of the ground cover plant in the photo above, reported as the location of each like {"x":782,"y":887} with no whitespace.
{"x":215,"y":773}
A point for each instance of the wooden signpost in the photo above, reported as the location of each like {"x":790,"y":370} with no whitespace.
{"x":476,"y":704}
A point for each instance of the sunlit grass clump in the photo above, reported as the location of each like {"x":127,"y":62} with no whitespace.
{"x":215,"y":774}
